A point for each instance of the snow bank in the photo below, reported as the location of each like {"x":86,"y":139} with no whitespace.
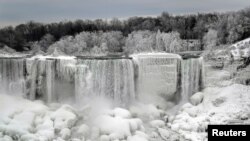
{"x":219,"y":106}
{"x":117,"y":124}
{"x":18,"y":115}
{"x":25,"y":120}
{"x":146,"y":111}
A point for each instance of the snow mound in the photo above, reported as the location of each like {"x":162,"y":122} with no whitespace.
{"x":146,"y":111}
{"x":196,"y":98}
{"x":117,"y":125}
{"x":18,"y":117}
{"x":64,"y":117}
{"x":219,"y":106}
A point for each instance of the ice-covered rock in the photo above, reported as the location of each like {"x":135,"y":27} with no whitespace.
{"x":123,"y":113}
{"x":64,"y":117}
{"x":104,"y":138}
{"x":136,"y":138}
{"x":146,"y":111}
{"x":157,"y":123}
{"x":6,"y":138}
{"x":29,"y":137}
{"x":219,"y":106}
{"x":196,"y":98}
{"x":18,"y":115}
{"x":83,"y":131}
{"x":65,"y":133}
{"x":142,"y":134}
{"x":117,"y":126}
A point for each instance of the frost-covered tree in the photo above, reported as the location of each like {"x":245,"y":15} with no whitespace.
{"x":148,"y":41}
{"x":46,"y":41}
{"x":87,"y":43}
{"x":171,"y":42}
{"x":210,"y":39}
{"x":140,"y":41}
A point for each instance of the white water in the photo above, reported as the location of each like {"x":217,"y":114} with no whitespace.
{"x":113,"y":79}
{"x":12,"y":76}
{"x":192,"y":73}
{"x":50,"y":81}
{"x":158,"y":76}
{"x":152,"y":78}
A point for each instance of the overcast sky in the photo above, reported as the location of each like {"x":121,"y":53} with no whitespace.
{"x":20,"y":11}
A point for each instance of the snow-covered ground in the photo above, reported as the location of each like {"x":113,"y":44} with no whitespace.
{"x":241,"y":49}
{"x":221,"y":102}
{"x":26,"y":120}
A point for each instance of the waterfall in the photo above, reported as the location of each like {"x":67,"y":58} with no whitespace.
{"x":50,"y":81}
{"x":192,"y":73}
{"x":111,"y":78}
{"x":65,"y":80}
{"x":157,"y":76}
{"x":12,"y":76}
{"x":152,"y":78}
{"x":36,"y":77}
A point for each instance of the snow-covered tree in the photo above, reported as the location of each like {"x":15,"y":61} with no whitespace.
{"x":210,"y":39}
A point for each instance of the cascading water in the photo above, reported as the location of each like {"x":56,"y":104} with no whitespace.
{"x":153,"y":77}
{"x":12,"y":76}
{"x":158,"y":76}
{"x":192,"y":74}
{"x":111,"y":78}
{"x":48,"y":76}
{"x":50,"y":81}
{"x":65,"y":80}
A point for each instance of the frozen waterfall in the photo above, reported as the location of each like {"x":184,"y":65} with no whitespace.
{"x":12,"y":76}
{"x":192,"y":73}
{"x":149,"y":77}
{"x":157,"y":76}
{"x":110,"y":78}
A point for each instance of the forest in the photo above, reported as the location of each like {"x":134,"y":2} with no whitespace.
{"x":166,"y":32}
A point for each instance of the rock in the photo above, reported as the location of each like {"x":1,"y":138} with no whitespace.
{"x":29,"y":137}
{"x":197,"y":98}
{"x":64,"y":117}
{"x":104,"y":138}
{"x":136,"y":138}
{"x":218,"y":101}
{"x":157,"y":123}
{"x":165,"y":134}
{"x":65,"y":133}
{"x":244,"y":117}
{"x":154,"y":135}
{"x":7,"y":138}
{"x":121,"y":113}
{"x":142,"y":134}
{"x":77,"y":139}
{"x":83,"y":131}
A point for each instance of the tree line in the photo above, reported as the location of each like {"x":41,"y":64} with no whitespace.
{"x":209,"y":28}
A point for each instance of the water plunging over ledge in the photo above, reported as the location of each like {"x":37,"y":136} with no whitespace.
{"x":147,"y":77}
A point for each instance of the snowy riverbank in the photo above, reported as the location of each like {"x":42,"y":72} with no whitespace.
{"x":24,"y":120}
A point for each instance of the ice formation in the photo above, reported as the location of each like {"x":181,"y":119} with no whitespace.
{"x":74,"y":97}
{"x":150,"y":78}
